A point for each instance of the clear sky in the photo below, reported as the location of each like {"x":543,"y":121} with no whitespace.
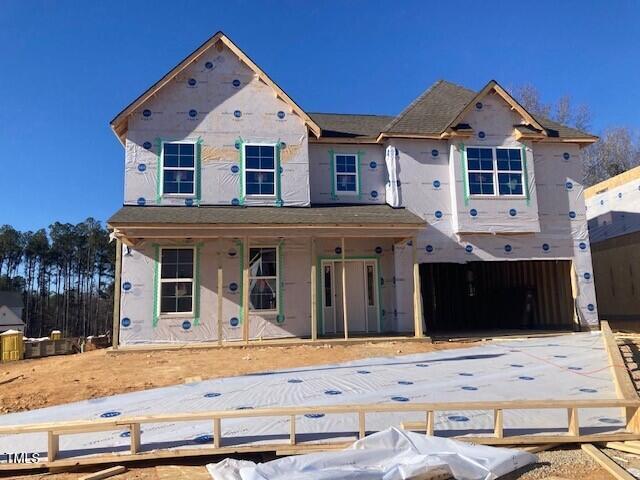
{"x":67,"y":67}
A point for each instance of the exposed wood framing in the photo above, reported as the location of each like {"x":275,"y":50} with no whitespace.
{"x":605,"y":462}
{"x":627,"y":447}
{"x":108,"y":473}
{"x":220,"y":294}
{"x":344,"y":291}
{"x":625,"y":389}
{"x":245,"y":291}
{"x":417,"y":294}
{"x":55,"y":429}
{"x":116,"y":295}
{"x":314,"y":290}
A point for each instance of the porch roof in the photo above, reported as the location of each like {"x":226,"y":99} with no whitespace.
{"x":318,"y":215}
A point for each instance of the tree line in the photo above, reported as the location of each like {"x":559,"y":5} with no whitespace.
{"x":65,"y":274}
{"x":617,"y":150}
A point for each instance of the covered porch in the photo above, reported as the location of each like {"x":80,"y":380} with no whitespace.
{"x":266,"y":274}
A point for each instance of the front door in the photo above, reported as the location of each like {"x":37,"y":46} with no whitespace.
{"x":361,"y":296}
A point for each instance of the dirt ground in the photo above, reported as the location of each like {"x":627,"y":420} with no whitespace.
{"x":31,"y":384}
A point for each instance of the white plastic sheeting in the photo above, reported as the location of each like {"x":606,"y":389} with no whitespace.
{"x":392,"y":454}
{"x":391,"y":188}
{"x":568,"y":367}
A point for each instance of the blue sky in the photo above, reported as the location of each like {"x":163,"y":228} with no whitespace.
{"x":67,"y":67}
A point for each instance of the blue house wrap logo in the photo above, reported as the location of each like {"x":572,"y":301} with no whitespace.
{"x":126,"y":286}
{"x":110,"y":414}
{"x":479,"y":105}
{"x":582,"y":246}
{"x":468,"y":249}
{"x":435,"y":153}
{"x":591,"y":307}
{"x":193,"y":113}
{"x":473,"y":212}
{"x":125,"y":322}
{"x":234,"y":322}
{"x":429,"y":248}
{"x":281,"y":115}
{"x":233,"y":286}
{"x":566,"y":155}
{"x":236,"y":83}
{"x":513,"y":212}
{"x":146,"y":145}
{"x":572,"y":214}
{"x":146,"y":113}
{"x":186,"y":325}
{"x":211,"y":395}
{"x":378,"y":250}
{"x":482,"y":134}
{"x":192,"y":82}
{"x":374,"y":194}
{"x":188,"y":202}
{"x":338,"y":250}
{"x":142,"y":167}
{"x":141,"y":201}
{"x":235,"y":169}
{"x":587,"y":276}
{"x":235,"y":202}
{"x":438,"y":214}
{"x":237,"y":114}
{"x":545,"y":247}
{"x":568,"y":185}
{"x":373,"y":165}
{"x":507,"y":248}
{"x":436,"y":184}
{"x":208,"y":65}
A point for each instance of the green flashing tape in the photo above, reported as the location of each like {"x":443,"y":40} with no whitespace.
{"x":240,"y":245}
{"x":198,"y":170}
{"x":156,"y":283}
{"x":280,"y":317}
{"x":526,"y":175}
{"x":332,"y":170}
{"x":158,"y":171}
{"x":465,"y":179}
{"x":278,"y":175}
{"x":359,"y":156}
{"x":196,"y":286}
{"x":240,"y":143}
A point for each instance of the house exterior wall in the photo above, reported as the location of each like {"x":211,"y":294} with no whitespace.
{"x":371,"y":173}
{"x":226,"y":107}
{"x":141,"y":323}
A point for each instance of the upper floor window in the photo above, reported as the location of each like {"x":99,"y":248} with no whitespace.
{"x":178,"y":168}
{"x":346,"y":172}
{"x":260,"y":170}
{"x":491,"y":167}
{"x":176,"y":280}
{"x":263,"y":278}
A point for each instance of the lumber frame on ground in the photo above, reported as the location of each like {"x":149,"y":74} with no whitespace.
{"x":55,"y":429}
{"x":605,"y":462}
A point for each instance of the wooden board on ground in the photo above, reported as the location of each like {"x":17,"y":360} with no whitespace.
{"x":108,"y":473}
{"x":609,"y":465}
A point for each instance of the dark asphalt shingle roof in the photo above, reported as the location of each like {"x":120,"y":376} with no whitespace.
{"x":350,"y":125}
{"x":228,"y":215}
{"x":429,"y":114}
{"x":11,"y":299}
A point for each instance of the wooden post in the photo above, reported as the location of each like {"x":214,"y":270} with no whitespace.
{"x":498,"y":426}
{"x":220,"y":289}
{"x":116,"y":295}
{"x":292,"y":430}
{"x":430,"y":422}
{"x":217,"y":433}
{"x":574,"y":425}
{"x":134,"y":431}
{"x":362,"y":427}
{"x":53,"y":446}
{"x":344,"y":291}
{"x":417,"y":294}
{"x":314,"y":290}
{"x":245,"y":291}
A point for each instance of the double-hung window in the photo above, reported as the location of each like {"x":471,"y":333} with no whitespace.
{"x":495,"y":171}
{"x":260,"y":170}
{"x":263,"y":278}
{"x":346,"y":173}
{"x":176,"y":280}
{"x":178,"y":168}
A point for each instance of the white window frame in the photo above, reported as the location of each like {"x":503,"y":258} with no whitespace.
{"x":193,"y":169}
{"x":355,"y":175}
{"x":175,"y":280}
{"x":274,"y":170}
{"x":271,"y":277}
{"x":494,"y":173}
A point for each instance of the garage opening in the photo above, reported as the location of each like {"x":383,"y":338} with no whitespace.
{"x":483,"y":296}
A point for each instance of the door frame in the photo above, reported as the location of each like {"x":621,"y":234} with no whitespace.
{"x":321,"y":261}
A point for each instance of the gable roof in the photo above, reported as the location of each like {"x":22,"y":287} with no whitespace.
{"x":11,"y":299}
{"x":119,"y":124}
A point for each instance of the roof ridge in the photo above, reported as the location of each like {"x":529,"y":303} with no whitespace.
{"x":353,"y":114}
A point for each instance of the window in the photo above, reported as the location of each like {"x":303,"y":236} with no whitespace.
{"x":260,"y":169}
{"x":263,"y":278}
{"x":328,"y":294}
{"x":488,"y":167}
{"x":178,"y":168}
{"x":176,"y":280}
{"x":346,"y":173}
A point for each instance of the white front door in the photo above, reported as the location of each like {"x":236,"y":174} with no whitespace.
{"x":362,"y":296}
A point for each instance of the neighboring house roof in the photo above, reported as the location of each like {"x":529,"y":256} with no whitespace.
{"x":347,"y":125}
{"x":613,"y":182}
{"x":11,"y":299}
{"x":120,"y":123}
{"x":8,"y":318}
{"x":228,"y":215}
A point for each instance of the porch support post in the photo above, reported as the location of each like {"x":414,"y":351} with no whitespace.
{"x":417,"y":300}
{"x":116,"y":296}
{"x":245,"y":291}
{"x":220,"y":288}
{"x":314,"y":290}
{"x":344,"y":291}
